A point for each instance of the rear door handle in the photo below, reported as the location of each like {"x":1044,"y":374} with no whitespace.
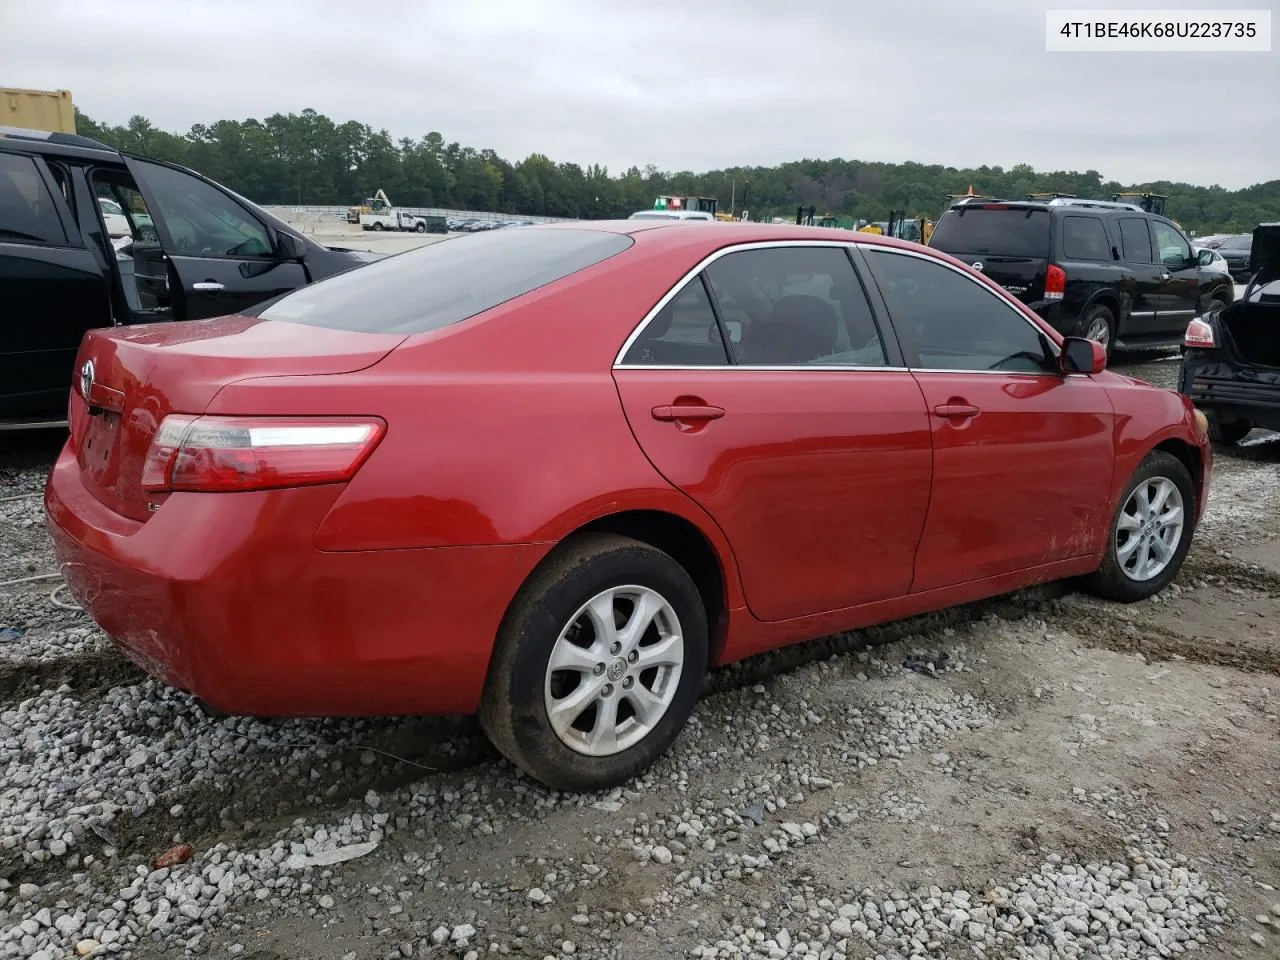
{"x":208,"y":286}
{"x":956,"y":411}
{"x":690,"y":411}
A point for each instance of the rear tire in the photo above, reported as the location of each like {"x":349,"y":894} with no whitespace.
{"x":377,"y":226}
{"x":1229,"y":434}
{"x":1162,"y":481}
{"x":601,"y":737}
{"x":1099,"y":324}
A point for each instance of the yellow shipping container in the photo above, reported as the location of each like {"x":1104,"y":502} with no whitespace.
{"x":38,"y":110}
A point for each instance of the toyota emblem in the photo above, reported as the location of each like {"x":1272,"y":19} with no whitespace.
{"x":86,"y":379}
{"x":977,"y":265}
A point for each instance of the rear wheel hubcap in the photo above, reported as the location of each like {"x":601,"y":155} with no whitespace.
{"x":614,"y":670}
{"x":1100,"y":331}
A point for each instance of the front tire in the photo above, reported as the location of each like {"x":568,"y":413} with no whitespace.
{"x":1229,"y":434}
{"x":597,"y":666}
{"x":1150,"y":533}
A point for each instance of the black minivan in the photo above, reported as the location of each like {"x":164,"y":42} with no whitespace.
{"x":1105,"y":270}
{"x":184,"y":248}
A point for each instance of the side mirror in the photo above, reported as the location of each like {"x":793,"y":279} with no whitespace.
{"x":1204,"y":258}
{"x":1081,"y":355}
{"x":290,"y":247}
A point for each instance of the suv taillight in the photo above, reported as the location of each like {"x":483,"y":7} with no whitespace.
{"x":226,"y":454}
{"x":1199,"y":334}
{"x":1055,"y":282}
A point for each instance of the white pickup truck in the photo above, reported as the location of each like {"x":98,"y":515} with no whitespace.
{"x":383,"y":216}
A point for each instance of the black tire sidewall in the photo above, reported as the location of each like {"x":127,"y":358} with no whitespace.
{"x":1229,"y":434}
{"x":546,"y":614}
{"x":1156,"y":464}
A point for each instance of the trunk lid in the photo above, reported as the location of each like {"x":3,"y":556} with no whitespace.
{"x":1008,"y":242}
{"x":1264,"y":256}
{"x":128,"y":379}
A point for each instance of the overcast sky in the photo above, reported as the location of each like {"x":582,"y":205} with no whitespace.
{"x":694,"y":84}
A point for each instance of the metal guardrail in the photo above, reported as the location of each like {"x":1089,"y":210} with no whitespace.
{"x":341,"y":213}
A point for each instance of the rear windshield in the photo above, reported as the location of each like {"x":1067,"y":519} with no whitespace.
{"x":1010,"y":232}
{"x":444,"y":282}
{"x":1242,"y":242}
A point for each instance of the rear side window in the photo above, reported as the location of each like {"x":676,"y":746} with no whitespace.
{"x":1136,"y":239}
{"x":1007,"y":232}
{"x":445,"y":282}
{"x":1084,"y":238}
{"x":27,"y":213}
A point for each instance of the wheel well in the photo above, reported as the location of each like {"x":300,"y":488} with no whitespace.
{"x":1108,"y":300}
{"x":684,"y":543}
{"x":1189,"y":457}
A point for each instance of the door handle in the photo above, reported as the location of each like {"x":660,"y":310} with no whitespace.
{"x":690,"y":411}
{"x":207,"y":286}
{"x":956,"y":411}
{"x":1165,"y":276}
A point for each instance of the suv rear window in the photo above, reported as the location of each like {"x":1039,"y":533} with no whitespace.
{"x":444,"y":282}
{"x":1007,"y":232}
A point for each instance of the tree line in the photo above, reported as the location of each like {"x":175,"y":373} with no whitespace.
{"x":308,"y":159}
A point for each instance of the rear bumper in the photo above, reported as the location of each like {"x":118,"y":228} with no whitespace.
{"x":1226,"y":392}
{"x":226,"y":596}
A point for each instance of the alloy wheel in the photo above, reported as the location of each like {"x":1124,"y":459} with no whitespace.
{"x":614,"y":670}
{"x":1149,"y":529}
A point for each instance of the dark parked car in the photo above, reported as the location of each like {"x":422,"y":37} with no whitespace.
{"x":1235,"y":250}
{"x":1104,"y":270}
{"x":196,"y":250}
{"x":1231,"y":367}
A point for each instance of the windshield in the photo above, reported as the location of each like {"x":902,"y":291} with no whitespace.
{"x":1007,"y":232}
{"x":444,"y":282}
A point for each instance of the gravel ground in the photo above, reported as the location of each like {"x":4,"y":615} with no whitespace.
{"x":1074,"y":779}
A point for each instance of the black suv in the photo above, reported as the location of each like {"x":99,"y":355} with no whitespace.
{"x":91,"y":237}
{"x":1105,"y":270}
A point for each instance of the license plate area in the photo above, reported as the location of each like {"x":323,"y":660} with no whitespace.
{"x":99,"y":440}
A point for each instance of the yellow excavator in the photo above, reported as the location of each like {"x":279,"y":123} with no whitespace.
{"x":916,"y":229}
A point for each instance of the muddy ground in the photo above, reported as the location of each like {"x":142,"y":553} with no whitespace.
{"x":1074,"y":779}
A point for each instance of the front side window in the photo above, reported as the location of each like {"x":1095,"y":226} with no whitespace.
{"x":682,"y":333}
{"x":954,"y":322}
{"x":1084,"y":238}
{"x":1173,"y":249}
{"x":27,"y":213}
{"x":202,"y":221}
{"x":788,"y":306}
{"x":1135,"y":239}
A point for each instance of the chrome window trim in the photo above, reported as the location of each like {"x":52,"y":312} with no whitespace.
{"x":847,"y":368}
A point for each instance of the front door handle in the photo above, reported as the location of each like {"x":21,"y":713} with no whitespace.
{"x":207,"y":286}
{"x":690,"y":411}
{"x":956,"y":411}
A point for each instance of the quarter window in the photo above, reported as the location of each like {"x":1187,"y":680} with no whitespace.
{"x":790,"y":306}
{"x":1083,"y":238}
{"x":683,"y":333}
{"x":27,"y":213}
{"x":954,"y":322}
{"x":1135,"y":239}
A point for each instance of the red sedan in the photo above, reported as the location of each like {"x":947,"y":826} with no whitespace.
{"x":550,"y":474}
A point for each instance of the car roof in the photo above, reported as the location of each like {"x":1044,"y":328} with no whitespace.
{"x":47,"y":142}
{"x":714,"y":234}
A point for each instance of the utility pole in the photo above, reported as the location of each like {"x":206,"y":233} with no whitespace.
{"x":733,"y":195}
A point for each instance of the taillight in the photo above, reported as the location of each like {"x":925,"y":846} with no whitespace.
{"x":226,"y":454}
{"x":1055,"y":282}
{"x":1199,"y":334}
